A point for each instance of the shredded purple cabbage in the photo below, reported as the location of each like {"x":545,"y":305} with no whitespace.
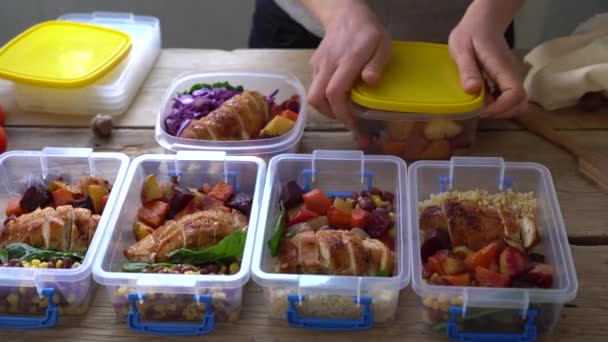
{"x":187,"y":107}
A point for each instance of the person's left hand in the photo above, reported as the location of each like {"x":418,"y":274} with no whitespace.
{"x":477,"y":45}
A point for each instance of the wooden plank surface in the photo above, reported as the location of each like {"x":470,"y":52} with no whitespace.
{"x":585,"y":207}
{"x":583,"y":319}
{"x":173,"y":62}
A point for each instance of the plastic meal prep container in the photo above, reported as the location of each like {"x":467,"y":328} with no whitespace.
{"x":265,"y":83}
{"x":29,"y":291}
{"x":419,"y":110}
{"x":493,"y":314}
{"x":113,"y":93}
{"x":148,"y":300}
{"x":330,"y":302}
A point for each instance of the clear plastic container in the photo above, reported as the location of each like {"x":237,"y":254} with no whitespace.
{"x":146,"y":299}
{"x":482,"y":313}
{"x":28,"y":291}
{"x":265,"y":83}
{"x":419,"y":111}
{"x":329,"y":302}
{"x":114,"y":92}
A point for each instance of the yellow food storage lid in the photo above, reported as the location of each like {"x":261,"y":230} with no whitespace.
{"x":63,"y":54}
{"x":419,"y":78}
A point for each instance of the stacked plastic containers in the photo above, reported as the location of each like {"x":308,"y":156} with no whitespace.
{"x":48,"y":293}
{"x":484,"y":313}
{"x":330,"y":302}
{"x":144,"y":299}
{"x":113,"y":93}
{"x":265,"y":83}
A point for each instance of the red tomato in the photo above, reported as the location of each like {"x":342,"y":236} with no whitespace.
{"x":3,"y":140}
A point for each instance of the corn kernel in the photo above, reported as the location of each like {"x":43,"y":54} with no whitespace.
{"x":76,"y":264}
{"x":392,"y":216}
{"x":377,"y":200}
{"x":12,"y":299}
{"x":191,"y":272}
{"x":223,"y":269}
{"x":172,"y":307}
{"x":35,"y":263}
{"x":59,"y":263}
{"x":428,"y":302}
{"x":122,"y":291}
{"x":23,"y":290}
{"x":44,"y":265}
{"x":71,"y":299}
{"x":25,"y":264}
{"x":234,"y":268}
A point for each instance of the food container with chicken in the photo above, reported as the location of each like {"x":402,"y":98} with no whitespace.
{"x":55,"y":207}
{"x":180,"y":243}
{"x":419,"y":111}
{"x":490,"y":254}
{"x":259,"y":114}
{"x":329,"y":251}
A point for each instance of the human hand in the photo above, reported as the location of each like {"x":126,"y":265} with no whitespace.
{"x":478,"y":47}
{"x":355,"y":46}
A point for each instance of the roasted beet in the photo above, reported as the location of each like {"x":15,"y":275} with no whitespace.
{"x":375,"y":191}
{"x":241,"y":202}
{"x":292,"y":194}
{"x":378,"y":222}
{"x":181,"y":198}
{"x":387,"y":196}
{"x":36,"y":196}
{"x":436,"y":240}
{"x":83,"y":203}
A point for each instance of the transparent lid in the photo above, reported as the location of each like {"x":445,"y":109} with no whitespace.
{"x":494,"y":175}
{"x":419,"y":78}
{"x":63,"y":54}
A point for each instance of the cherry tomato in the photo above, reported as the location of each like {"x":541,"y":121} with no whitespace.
{"x":1,"y":116}
{"x":3,"y":140}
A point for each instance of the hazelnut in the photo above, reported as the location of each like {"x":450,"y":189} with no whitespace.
{"x":102,"y":125}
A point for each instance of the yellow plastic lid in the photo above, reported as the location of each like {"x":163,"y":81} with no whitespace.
{"x":419,"y":78}
{"x":63,"y":54}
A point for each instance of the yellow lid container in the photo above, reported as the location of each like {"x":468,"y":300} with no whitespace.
{"x":63,"y":54}
{"x":419,"y":78}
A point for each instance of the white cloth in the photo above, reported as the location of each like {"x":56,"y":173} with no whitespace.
{"x":564,"y":69}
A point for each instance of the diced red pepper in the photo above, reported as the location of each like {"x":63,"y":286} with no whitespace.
{"x":359,"y":218}
{"x":104,"y":201}
{"x":13,"y":207}
{"x":317,"y":201}
{"x":62,"y":196}
{"x":153,"y":214}
{"x":222,"y":191}
{"x":290,"y":115}
{"x":303,"y":215}
{"x":338,"y":219}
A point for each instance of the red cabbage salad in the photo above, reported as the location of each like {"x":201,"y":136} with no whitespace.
{"x":202,"y":98}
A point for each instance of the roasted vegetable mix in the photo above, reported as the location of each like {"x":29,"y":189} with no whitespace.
{"x":188,"y":230}
{"x":321,"y":234}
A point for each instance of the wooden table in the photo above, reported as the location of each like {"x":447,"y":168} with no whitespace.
{"x":584,"y":207}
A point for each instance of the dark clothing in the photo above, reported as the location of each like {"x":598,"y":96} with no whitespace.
{"x":272,"y":28}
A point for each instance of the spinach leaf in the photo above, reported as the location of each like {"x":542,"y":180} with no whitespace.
{"x":383,"y":273}
{"x":137,"y":267}
{"x":3,"y":256}
{"x":25,"y":252}
{"x":273,"y":243}
{"x":229,"y":248}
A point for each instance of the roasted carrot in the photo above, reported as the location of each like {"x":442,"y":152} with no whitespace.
{"x":222,"y":191}
{"x":62,"y":196}
{"x":290,"y":115}
{"x":153,"y":214}
{"x":13,"y":207}
{"x":317,"y":201}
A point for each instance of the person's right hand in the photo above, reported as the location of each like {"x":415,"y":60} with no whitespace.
{"x":355,"y":45}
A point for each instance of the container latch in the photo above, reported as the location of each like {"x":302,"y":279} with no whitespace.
{"x":49,"y":320}
{"x":475,"y":172}
{"x":58,"y":152}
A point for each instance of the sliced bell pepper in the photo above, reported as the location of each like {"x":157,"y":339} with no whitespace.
{"x":303,"y":215}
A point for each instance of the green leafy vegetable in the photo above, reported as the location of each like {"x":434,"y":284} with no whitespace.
{"x":3,"y":256}
{"x":469,"y":317}
{"x":273,"y":243}
{"x":231,"y":247}
{"x":137,"y":267}
{"x":25,"y":252}
{"x":226,"y":85}
{"x":383,"y":273}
